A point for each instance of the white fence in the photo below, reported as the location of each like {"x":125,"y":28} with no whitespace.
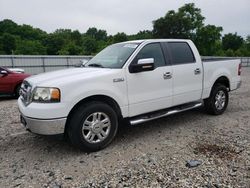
{"x":39,"y":64}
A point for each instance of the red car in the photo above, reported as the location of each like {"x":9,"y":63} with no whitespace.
{"x":10,"y":82}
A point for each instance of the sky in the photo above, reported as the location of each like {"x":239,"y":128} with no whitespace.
{"x":129,"y":16}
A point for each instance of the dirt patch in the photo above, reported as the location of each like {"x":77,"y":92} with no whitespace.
{"x":223,"y":152}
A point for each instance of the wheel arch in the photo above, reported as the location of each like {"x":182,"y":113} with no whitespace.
{"x":210,"y":103}
{"x":224,"y":80}
{"x":100,"y":98}
{"x":16,"y":85}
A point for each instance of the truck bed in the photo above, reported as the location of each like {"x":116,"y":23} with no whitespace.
{"x":213,"y":70}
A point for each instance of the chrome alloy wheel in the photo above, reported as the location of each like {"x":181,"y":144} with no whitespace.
{"x":96,"y":127}
{"x":220,"y":100}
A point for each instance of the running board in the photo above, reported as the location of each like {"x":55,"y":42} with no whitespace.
{"x":163,"y":113}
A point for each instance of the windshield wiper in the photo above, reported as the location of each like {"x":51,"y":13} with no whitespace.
{"x":95,"y":65}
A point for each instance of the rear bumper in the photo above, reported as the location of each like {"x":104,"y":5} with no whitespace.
{"x":44,"y":127}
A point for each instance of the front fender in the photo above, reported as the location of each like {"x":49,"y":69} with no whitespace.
{"x":117,"y":92}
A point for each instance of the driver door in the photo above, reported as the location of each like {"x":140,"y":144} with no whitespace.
{"x":150,"y":90}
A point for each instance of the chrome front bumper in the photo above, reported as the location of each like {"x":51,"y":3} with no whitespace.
{"x":44,"y":127}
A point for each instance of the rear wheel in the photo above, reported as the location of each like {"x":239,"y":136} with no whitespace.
{"x":92,"y":126}
{"x":217,"y":103}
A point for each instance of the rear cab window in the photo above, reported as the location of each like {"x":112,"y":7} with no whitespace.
{"x":180,"y":53}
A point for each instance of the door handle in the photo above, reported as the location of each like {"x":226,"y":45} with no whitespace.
{"x":197,"y":71}
{"x":167,"y":75}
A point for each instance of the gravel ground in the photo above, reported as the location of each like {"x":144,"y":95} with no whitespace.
{"x":153,"y":154}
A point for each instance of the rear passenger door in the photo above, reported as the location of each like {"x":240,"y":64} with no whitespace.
{"x":187,"y":73}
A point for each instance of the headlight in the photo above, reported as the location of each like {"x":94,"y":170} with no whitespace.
{"x":46,"y":95}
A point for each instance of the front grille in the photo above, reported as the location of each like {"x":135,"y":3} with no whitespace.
{"x":25,"y":92}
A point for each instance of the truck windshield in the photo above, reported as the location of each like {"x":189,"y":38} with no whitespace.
{"x":113,"y":56}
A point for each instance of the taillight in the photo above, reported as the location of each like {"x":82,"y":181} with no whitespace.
{"x":239,"y":69}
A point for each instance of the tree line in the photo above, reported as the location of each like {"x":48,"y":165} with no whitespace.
{"x":186,"y":23}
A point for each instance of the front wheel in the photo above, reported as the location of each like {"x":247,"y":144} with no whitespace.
{"x":92,"y":126}
{"x":17,"y":91}
{"x":217,"y":103}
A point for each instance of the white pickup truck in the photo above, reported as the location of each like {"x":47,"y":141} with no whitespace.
{"x":136,"y":80}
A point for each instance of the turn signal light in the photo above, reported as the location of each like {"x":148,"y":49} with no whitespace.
{"x":55,"y":94}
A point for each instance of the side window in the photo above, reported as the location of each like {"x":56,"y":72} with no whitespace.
{"x":152,"y":51}
{"x":181,"y":53}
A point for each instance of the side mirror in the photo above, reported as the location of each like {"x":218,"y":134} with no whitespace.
{"x":142,"y":65}
{"x":3,"y":72}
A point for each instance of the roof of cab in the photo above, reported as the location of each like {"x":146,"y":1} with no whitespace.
{"x":156,"y":40}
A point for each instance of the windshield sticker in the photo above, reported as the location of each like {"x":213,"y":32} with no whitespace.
{"x":130,"y":45}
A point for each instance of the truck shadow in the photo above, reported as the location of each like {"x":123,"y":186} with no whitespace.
{"x":52,"y":146}
{"x":6,"y":98}
{"x":169,"y":123}
{"x":127,"y":134}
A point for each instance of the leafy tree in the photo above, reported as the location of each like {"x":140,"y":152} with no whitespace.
{"x":180,"y":24}
{"x":2,"y":52}
{"x":53,"y":44}
{"x":8,"y":26}
{"x":31,"y":47}
{"x":30,"y":33}
{"x":91,"y":32}
{"x":97,"y":34}
{"x":145,"y":34}
{"x":70,"y":49}
{"x":120,"y":37}
{"x":247,"y":43}
{"x":101,"y":35}
{"x":229,"y":53}
{"x":219,"y":51}
{"x":76,"y":37}
{"x":8,"y":43}
{"x":244,"y":50}
{"x":186,"y":22}
{"x":73,"y":49}
{"x":65,"y":41}
{"x":207,"y":39}
{"x":102,"y":44}
{"x":90,"y":46}
{"x":232,"y":41}
{"x":64,"y":34}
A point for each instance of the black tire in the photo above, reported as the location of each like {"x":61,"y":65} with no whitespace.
{"x":17,"y":90}
{"x":81,"y":115}
{"x":210,"y":103}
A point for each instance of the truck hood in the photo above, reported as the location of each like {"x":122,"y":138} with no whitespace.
{"x":55,"y":78}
